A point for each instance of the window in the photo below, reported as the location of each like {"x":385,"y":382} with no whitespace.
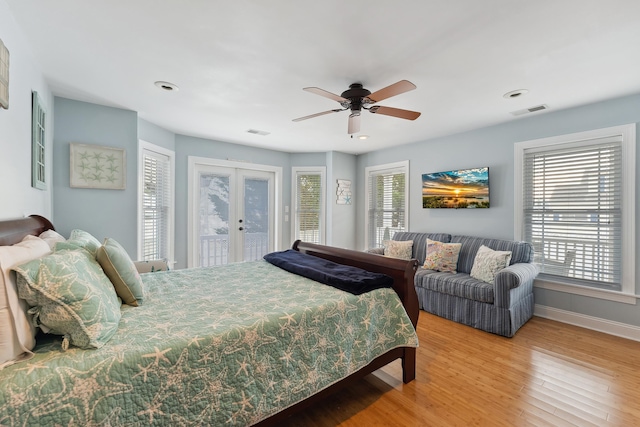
{"x":577,"y":207}
{"x":38,"y":167}
{"x":309,"y":204}
{"x":156,"y":202}
{"x":386,"y":201}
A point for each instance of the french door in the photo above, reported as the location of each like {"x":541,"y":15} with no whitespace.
{"x":233,"y":214}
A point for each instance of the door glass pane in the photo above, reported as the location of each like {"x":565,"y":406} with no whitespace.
{"x":256,"y":218}
{"x":214,"y":219}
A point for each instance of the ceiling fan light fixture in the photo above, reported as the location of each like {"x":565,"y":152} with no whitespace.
{"x":357,"y":98}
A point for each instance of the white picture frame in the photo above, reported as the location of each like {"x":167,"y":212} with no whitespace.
{"x":96,"y":166}
{"x":343,"y":192}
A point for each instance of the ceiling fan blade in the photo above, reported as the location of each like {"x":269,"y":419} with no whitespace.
{"x":395,"y":89}
{"x":325,"y":93}
{"x":354,"y":123}
{"x":395,"y":112}
{"x":299,"y":119}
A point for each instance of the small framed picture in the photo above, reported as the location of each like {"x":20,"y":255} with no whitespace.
{"x":344,"y":192}
{"x":4,"y":76}
{"x":95,"y":166}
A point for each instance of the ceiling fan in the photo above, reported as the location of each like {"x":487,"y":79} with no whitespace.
{"x":357,"y":98}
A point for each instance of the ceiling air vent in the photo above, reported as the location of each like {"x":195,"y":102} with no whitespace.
{"x":258,"y":132}
{"x":530,"y":110}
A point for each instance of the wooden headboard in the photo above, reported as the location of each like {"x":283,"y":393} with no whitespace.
{"x":13,"y":230}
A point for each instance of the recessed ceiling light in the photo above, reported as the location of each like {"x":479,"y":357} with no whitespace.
{"x":363,"y":136}
{"x":515,"y":93}
{"x":169,"y":87}
{"x":258,"y":132}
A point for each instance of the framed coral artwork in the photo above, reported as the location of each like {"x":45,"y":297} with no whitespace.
{"x":95,"y":166}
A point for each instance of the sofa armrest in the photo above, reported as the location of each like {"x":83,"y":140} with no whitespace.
{"x":513,"y":283}
{"x":151,"y":265}
{"x":378,"y":251}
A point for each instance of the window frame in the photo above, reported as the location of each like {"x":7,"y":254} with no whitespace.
{"x":369,"y":171}
{"x":309,"y":170}
{"x":627,"y":133}
{"x":38,"y":143}
{"x":143,"y":148}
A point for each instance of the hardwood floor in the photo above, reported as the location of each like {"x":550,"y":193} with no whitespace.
{"x":548,"y":374}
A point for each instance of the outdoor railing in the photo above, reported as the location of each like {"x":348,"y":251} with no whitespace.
{"x":214,"y":249}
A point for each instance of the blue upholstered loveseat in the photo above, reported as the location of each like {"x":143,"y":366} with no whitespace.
{"x":501,"y":307}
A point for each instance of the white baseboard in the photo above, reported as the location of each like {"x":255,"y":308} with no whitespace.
{"x":595,"y":323}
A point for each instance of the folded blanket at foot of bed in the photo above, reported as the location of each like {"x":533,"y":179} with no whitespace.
{"x":344,"y":277}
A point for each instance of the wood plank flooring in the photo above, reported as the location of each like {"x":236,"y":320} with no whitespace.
{"x":548,"y":374}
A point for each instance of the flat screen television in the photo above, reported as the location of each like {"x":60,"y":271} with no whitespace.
{"x":456,"y":189}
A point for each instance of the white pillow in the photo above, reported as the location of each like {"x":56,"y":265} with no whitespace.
{"x":488,"y":263}
{"x":398,"y":248}
{"x":17,"y":335}
{"x":51,"y":237}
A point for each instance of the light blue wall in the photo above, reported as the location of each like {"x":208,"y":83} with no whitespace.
{"x":341,"y":219}
{"x":494,"y":147}
{"x":17,"y":195}
{"x":103,"y":213}
{"x":154,"y":134}
{"x":308,"y":159}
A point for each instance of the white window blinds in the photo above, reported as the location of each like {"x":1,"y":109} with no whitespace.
{"x":572,"y":201}
{"x":387,"y":205}
{"x":308,"y":221}
{"x":156,"y":204}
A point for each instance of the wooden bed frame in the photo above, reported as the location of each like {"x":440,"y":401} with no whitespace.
{"x":402,"y":272}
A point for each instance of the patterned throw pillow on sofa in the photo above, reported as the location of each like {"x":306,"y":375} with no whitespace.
{"x":488,"y":263}
{"x":442,"y":256}
{"x":398,"y":249}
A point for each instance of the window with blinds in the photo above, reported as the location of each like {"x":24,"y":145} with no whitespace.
{"x":386,"y":202}
{"x":309,"y":205}
{"x":156,"y":205}
{"x":573,"y":209}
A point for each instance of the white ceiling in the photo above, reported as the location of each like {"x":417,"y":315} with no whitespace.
{"x":242,"y":64}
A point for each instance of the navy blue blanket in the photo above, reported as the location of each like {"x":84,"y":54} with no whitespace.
{"x":344,"y":277}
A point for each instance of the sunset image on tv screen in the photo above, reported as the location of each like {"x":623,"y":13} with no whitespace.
{"x":459,"y":189}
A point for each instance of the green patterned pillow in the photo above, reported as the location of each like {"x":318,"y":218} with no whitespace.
{"x":71,"y":296}
{"x":121,"y":271}
{"x":84,"y":240}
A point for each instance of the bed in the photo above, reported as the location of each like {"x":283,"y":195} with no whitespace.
{"x":242,"y":344}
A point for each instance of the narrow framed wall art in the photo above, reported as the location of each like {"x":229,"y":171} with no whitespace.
{"x":4,"y":76}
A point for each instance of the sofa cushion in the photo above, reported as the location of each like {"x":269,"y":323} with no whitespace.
{"x":520,"y":251}
{"x":420,"y":242}
{"x":459,"y":284}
